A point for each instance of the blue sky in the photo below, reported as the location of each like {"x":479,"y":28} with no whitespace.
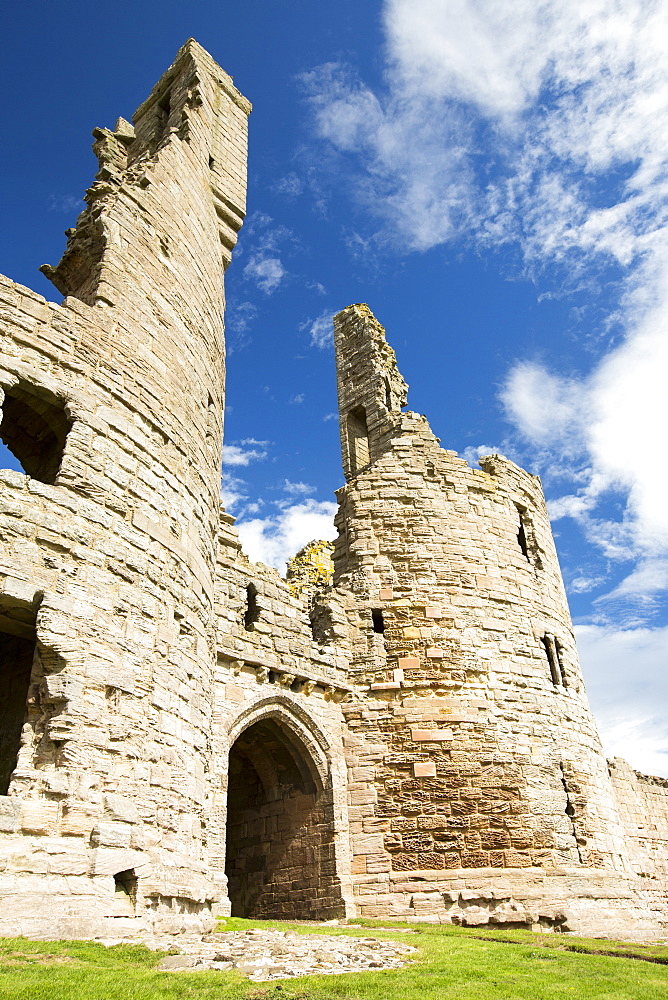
{"x":490,"y":177}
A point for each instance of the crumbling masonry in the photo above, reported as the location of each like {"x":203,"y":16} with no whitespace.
{"x":184,"y":733}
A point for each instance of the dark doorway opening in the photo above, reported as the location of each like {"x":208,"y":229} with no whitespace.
{"x":16,"y":660}
{"x":280,"y":859}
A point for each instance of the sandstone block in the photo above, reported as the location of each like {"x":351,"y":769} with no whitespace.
{"x":120,"y":808}
{"x":427,"y":770}
{"x":431,"y":735}
{"x":39,"y":816}
{"x":111,"y":835}
{"x":10,"y":812}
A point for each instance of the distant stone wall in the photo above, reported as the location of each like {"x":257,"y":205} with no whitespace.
{"x":643,"y":808}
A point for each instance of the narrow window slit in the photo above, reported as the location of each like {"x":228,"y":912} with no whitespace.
{"x":358,"y":439}
{"x":162,"y":113}
{"x":378,"y":620}
{"x":522,"y":540}
{"x":551,"y":653}
{"x":252,"y":612}
{"x":559,"y":651}
{"x":569,"y":809}
{"x":388,"y":395}
{"x":16,"y":663}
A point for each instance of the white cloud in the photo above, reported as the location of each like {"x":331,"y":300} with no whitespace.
{"x":543,"y":123}
{"x":232,"y":492}
{"x":583,"y":584}
{"x":291,"y":185}
{"x":66,"y":203}
{"x":627,"y":682}
{"x":266,"y":272}
{"x":274,"y":540}
{"x":321,"y":330}
{"x":235,"y":455}
{"x":548,"y":410}
{"x":297,"y":489}
{"x":298,"y":398}
{"x":570,"y":506}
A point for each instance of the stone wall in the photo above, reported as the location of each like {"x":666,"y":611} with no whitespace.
{"x":643,"y":807}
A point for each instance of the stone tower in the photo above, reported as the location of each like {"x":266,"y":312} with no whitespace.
{"x":113,"y":402}
{"x":477,"y":735}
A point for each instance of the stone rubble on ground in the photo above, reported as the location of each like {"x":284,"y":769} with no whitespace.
{"x":268,"y":954}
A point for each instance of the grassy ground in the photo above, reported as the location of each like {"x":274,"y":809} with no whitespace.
{"x":452,"y":964}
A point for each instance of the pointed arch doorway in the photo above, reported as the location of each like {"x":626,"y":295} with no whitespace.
{"x":280,"y":857}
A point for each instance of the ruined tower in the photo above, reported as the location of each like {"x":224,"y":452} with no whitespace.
{"x":113,"y":402}
{"x":185,"y":733}
{"x":481,"y":763}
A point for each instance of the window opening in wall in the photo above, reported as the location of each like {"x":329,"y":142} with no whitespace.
{"x":162,"y":116}
{"x":252,"y":612}
{"x":358,"y":439}
{"x":522,"y":539}
{"x":551,"y":653}
{"x":526,"y":538}
{"x":559,"y":653}
{"x":211,"y":421}
{"x":388,"y":394}
{"x":34,"y":427}
{"x":125,"y":892}
{"x":16,"y":661}
{"x":378,"y":620}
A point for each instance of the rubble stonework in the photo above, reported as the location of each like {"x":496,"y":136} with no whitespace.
{"x":183,"y":732}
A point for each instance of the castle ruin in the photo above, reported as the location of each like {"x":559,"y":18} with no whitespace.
{"x":183,"y":732}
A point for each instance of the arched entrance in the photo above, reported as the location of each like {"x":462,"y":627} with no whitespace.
{"x":280,"y":858}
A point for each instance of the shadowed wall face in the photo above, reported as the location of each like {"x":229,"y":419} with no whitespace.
{"x":280,"y":854}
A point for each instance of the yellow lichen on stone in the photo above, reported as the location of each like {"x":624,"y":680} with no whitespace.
{"x":312,"y":568}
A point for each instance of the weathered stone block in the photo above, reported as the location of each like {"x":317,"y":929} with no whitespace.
{"x":111,"y":835}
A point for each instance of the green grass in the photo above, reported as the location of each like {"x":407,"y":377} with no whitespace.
{"x":451,"y":964}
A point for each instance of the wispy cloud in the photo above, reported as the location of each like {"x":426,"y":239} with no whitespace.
{"x":320,"y":330}
{"x":276,"y":539}
{"x":233,"y":491}
{"x":291,"y":185}
{"x":249,"y":450}
{"x":297,"y":489}
{"x":266,"y":272}
{"x":631,"y":717}
{"x":266,"y":242}
{"x":540,"y":124}
{"x":66,"y":203}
